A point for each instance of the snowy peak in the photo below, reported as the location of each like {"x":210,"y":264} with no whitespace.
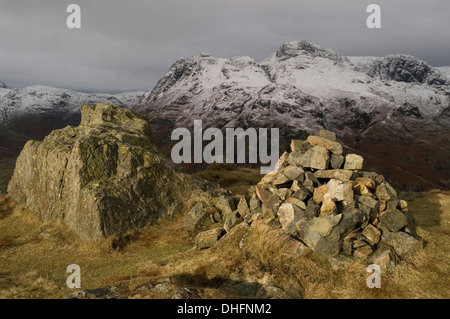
{"x":203,"y":73}
{"x":314,"y":70}
{"x":401,"y":68}
{"x":295,"y":49}
{"x":406,"y":68}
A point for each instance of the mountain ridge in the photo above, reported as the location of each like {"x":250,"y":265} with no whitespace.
{"x":303,"y":88}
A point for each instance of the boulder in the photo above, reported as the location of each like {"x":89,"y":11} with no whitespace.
{"x":101,"y":178}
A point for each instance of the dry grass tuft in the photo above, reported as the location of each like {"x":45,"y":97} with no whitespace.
{"x":34,"y":257}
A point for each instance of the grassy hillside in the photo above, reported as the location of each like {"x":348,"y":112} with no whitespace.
{"x":6,"y":172}
{"x":34,"y":257}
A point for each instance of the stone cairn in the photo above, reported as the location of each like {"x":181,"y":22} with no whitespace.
{"x":328,"y":204}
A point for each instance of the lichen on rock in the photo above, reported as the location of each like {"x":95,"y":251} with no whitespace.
{"x":101,"y":178}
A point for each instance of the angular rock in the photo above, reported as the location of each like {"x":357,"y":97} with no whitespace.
{"x":279,"y":179}
{"x":311,"y":177}
{"x":196,"y":217}
{"x":243,"y":208}
{"x":382,"y":192}
{"x":294,"y":172}
{"x":403,"y":204}
{"x":353,"y":161}
{"x":309,"y":185}
{"x":332,"y":146}
{"x":391,"y":190}
{"x":225,"y":204}
{"x":267,"y":179}
{"x":312,"y":209}
{"x":283,"y":193}
{"x":366,"y":201}
{"x":282,"y":163}
{"x":289,"y":215}
{"x":362,"y":252}
{"x":295,"y":201}
{"x":328,"y":135}
{"x":294,"y":186}
{"x":391,"y":204}
{"x":321,"y":235}
{"x":270,"y":208}
{"x":372,"y":234}
{"x":385,"y":258}
{"x":336,"y":161}
{"x":295,"y":248}
{"x":232,"y":220}
{"x":328,"y":206}
{"x":362,"y":190}
{"x":208,"y":238}
{"x":319,"y":193}
{"x":302,"y":193}
{"x":394,"y":220}
{"x":351,"y":217}
{"x":340,"y":174}
{"x":340,"y":262}
{"x":366,"y":181}
{"x":316,"y":157}
{"x":264,"y":195}
{"x":299,"y":146}
{"x":255,"y":204}
{"x":404,"y":245}
{"x":340,"y":191}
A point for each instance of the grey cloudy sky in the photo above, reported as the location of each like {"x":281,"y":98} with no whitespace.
{"x":129,"y":45}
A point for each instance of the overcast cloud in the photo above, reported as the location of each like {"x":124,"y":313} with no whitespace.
{"x":129,"y":45}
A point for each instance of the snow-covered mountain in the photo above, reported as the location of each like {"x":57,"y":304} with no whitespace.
{"x":394,"y":110}
{"x":36,"y":110}
{"x":445,"y":70}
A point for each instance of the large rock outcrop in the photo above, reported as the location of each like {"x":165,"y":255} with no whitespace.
{"x":101,"y":178}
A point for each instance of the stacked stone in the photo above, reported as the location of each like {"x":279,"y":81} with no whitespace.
{"x":328,"y":203}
